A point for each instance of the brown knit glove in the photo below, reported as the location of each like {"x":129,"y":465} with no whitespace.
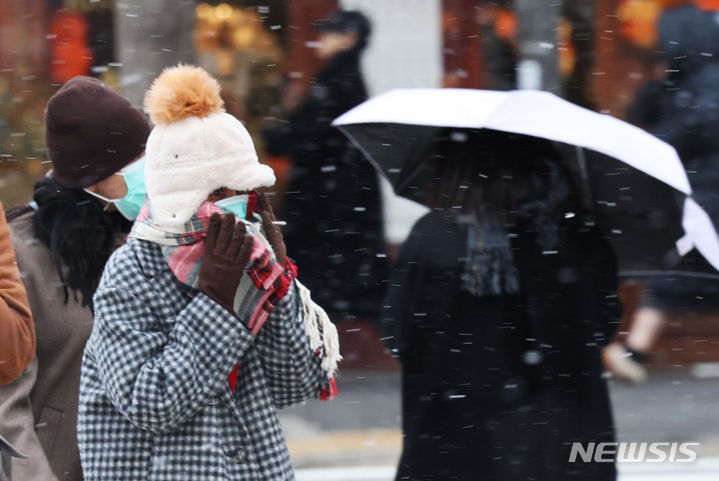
{"x":227,"y":252}
{"x":272,"y":230}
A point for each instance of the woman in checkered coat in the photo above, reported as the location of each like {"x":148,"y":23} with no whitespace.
{"x":202,"y":330}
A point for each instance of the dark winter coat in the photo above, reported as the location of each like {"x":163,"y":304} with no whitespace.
{"x":332,"y":204}
{"x":497,"y":388}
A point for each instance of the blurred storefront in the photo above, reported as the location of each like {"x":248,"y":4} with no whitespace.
{"x":43,"y":43}
{"x":256,"y":50}
{"x":262,"y":52}
{"x":243,"y":48}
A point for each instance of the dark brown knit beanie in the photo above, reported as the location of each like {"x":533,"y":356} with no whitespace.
{"x":91,"y":132}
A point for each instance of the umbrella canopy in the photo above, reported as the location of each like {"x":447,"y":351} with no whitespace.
{"x":634,"y":182}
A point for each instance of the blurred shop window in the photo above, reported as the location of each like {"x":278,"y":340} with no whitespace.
{"x":638,"y":18}
{"x":236,"y":45}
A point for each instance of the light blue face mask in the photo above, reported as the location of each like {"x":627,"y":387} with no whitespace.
{"x":236,"y":204}
{"x":129,"y":205}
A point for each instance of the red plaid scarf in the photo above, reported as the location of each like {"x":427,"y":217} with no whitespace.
{"x":184,"y":252}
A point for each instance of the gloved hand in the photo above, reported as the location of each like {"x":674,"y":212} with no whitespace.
{"x":274,"y":237}
{"x":272,"y":230}
{"x":227,"y":252}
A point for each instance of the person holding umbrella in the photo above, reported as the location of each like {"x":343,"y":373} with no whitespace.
{"x":498,"y":306}
{"x":504,"y":294}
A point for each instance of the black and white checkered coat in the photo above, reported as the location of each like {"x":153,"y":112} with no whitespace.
{"x":155,"y":402}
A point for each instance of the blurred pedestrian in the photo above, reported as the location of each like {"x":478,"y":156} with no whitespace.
{"x":497,"y":308}
{"x":81,"y":212}
{"x":17,"y":331}
{"x":332,"y":203}
{"x":681,"y":107}
{"x":202,"y":330}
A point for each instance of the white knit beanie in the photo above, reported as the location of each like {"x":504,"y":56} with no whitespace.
{"x":195,"y":146}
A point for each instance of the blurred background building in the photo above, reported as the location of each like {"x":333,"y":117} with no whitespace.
{"x":603,"y":50}
{"x":596,"y":53}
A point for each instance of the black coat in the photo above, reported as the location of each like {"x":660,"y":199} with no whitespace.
{"x":497,"y":388}
{"x":332,"y":204}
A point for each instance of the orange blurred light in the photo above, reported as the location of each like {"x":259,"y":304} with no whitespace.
{"x":70,"y":53}
{"x":638,"y":21}
{"x":709,"y":5}
{"x":204,"y":11}
{"x":567,"y":51}
{"x":223,"y":11}
{"x":505,"y":24}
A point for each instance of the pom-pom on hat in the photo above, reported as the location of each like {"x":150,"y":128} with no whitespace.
{"x":195,"y":146}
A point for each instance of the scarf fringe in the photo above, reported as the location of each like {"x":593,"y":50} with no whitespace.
{"x":320,"y":331}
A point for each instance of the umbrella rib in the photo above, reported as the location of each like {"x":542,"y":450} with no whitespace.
{"x":359,"y":147}
{"x":667,"y":272}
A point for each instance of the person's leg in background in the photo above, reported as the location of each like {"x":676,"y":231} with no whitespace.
{"x":625,"y":359}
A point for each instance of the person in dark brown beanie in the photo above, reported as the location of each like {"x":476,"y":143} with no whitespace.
{"x":80,"y":214}
{"x":91,"y":132}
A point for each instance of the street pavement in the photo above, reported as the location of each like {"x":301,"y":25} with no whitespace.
{"x":702,"y":470}
{"x":357,"y":436}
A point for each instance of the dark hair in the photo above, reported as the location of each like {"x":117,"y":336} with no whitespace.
{"x":508,"y":174}
{"x":79,"y":233}
{"x":348,"y":21}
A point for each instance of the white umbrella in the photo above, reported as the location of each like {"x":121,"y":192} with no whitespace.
{"x":534,"y":113}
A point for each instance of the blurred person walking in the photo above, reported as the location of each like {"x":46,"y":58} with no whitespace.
{"x":81,"y":212}
{"x":681,"y":107}
{"x":332,"y":203}
{"x":202,"y":330}
{"x":498,"y":306}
